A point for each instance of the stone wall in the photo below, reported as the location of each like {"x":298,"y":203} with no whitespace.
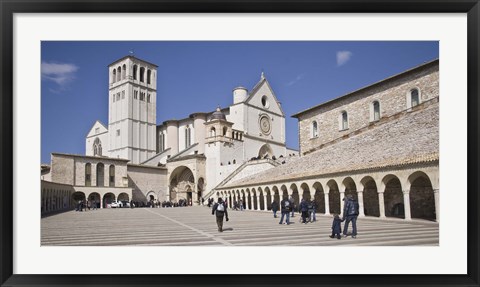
{"x":143,"y":179}
{"x":390,"y":93}
{"x":63,"y":169}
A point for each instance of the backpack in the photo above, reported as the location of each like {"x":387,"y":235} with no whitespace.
{"x":220,"y":207}
{"x":287,"y":205}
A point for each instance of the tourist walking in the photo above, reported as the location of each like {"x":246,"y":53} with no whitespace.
{"x":274,"y":208}
{"x":286,"y":206}
{"x":311,"y":211}
{"x":350,"y":214}
{"x":304,"y":210}
{"x":220,"y":210}
{"x":336,"y":226}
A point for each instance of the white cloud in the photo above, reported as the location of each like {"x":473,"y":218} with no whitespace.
{"x":61,"y":74}
{"x":294,"y":81}
{"x":343,"y":57}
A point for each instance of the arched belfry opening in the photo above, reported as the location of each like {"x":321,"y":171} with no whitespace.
{"x":265,"y":151}
{"x":181,"y":183}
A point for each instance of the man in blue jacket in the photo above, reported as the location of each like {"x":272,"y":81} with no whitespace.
{"x":350,"y":213}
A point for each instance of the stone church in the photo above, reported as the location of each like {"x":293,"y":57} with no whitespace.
{"x":379,"y":144}
{"x":134,"y":158}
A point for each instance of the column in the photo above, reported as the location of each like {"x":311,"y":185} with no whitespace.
{"x":406,"y":204}
{"x":195,"y":195}
{"x":265,"y":203}
{"x":258,"y":202}
{"x":381,"y":203}
{"x":327,"y":204}
{"x":437,"y":204}
{"x":360,"y":204}
{"x":342,"y":202}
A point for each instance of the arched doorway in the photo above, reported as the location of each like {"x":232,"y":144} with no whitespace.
{"x":269,"y":198}
{"x":350,"y":187}
{"x":422,"y":199}
{"x":181,"y":182}
{"x":295,"y":196}
{"x":94,"y":199}
{"x":123,"y":197}
{"x":370,"y":197}
{"x":107,"y":199}
{"x":394,"y":206}
{"x":333,"y":197}
{"x":319,"y":197}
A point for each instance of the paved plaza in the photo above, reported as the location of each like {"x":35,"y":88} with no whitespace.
{"x":196,"y":226}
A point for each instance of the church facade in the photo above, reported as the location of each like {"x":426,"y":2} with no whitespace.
{"x":178,"y":159}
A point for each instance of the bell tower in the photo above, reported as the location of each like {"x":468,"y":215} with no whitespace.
{"x":132,"y":109}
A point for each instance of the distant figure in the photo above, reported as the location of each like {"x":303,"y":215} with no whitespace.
{"x":336,"y":227}
{"x":220,"y":210}
{"x":275,"y":208}
{"x":286,"y":206}
{"x":350,"y":213}
{"x":304,"y":210}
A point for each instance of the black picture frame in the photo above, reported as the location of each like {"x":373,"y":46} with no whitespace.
{"x":9,"y":8}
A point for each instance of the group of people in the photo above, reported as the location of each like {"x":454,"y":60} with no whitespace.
{"x":83,"y":205}
{"x":307,"y":208}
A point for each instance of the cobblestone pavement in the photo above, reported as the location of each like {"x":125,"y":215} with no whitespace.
{"x":195,"y":226}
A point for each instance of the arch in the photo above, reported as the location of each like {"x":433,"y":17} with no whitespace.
{"x":371,"y":206}
{"x":114,"y":76}
{"x":111,"y":176}
{"x":414,"y":97}
{"x":149,"y":75}
{"x":261,"y":201}
{"x":284,"y":192}
{"x":142,"y":74}
{"x":265,"y":151}
{"x":124,"y":71}
{"x":333,"y":197}
{"x":422,"y":198}
{"x":248,"y":199}
{"x":188,"y":136}
{"x":181,"y":182}
{"x":135,"y":70}
{"x":119,"y":73}
{"x":225,"y":129}
{"x":88,"y":174}
{"x":394,"y":205}
{"x":107,"y":199}
{"x":350,"y":187}
{"x":151,"y":196}
{"x":314,"y":132}
{"x":100,"y":174}
{"x":295,"y":196}
{"x":76,"y":196}
{"x":213,"y":132}
{"x":375,"y":111}
{"x":95,"y":199}
{"x":319,"y":197}
{"x":305,"y":191}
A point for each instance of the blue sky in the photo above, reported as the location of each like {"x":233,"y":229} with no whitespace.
{"x":198,"y":76}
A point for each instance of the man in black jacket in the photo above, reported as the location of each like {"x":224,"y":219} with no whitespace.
{"x":220,"y":210}
{"x":350,"y":213}
{"x":286,"y":209}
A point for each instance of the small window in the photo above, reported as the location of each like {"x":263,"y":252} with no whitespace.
{"x":148,"y":98}
{"x":114,"y":75}
{"x":225,"y":131}
{"x":314,"y":129}
{"x":97,"y":130}
{"x":135,"y":95}
{"x":142,"y":74}
{"x":113,"y":97}
{"x":119,"y":74}
{"x":149,"y":75}
{"x":118,"y":96}
{"x":415,"y":100}
{"x":344,"y":120}
{"x":376,"y":111}
{"x":123,"y":95}
{"x":118,"y":132}
{"x":142,"y":96}
{"x":212,"y":132}
{"x":124,"y":71}
{"x":135,"y":68}
{"x":265,"y":102}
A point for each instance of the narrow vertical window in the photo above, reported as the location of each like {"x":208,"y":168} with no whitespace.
{"x":123,"y":95}
{"x":142,"y":74}
{"x":149,"y":75}
{"x":124,"y":71}
{"x":314,"y":129}
{"x":376,"y":111}
{"x":114,"y":76}
{"x":148,"y":98}
{"x":88,"y":174}
{"x":415,"y":100}
{"x":111,"y":181}
{"x":100,"y":174}
{"x":119,"y":74}
{"x":344,"y":121}
{"x":97,"y":147}
{"x":135,"y":68}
